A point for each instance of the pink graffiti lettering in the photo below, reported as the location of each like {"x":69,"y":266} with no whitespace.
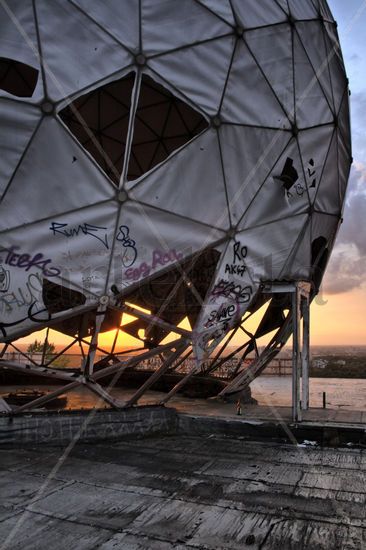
{"x":159,"y":259}
{"x":26,"y":261}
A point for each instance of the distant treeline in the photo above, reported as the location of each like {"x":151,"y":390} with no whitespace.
{"x":329,"y":366}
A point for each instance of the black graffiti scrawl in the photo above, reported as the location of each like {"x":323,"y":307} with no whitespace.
{"x":290,"y":178}
{"x":311,"y":173}
{"x":289,"y":174}
{"x":4,"y":279}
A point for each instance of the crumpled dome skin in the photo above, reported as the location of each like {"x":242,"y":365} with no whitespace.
{"x":137,"y":136}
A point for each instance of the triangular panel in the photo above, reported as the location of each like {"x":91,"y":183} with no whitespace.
{"x":344,"y":122}
{"x":196,"y":24}
{"x":312,"y":38}
{"x":283,"y":194}
{"x":325,"y":226}
{"x":323,"y":233}
{"x":312,"y":107}
{"x":252,"y":13}
{"x":336,"y":65}
{"x":54,"y":159}
{"x":270,"y":246}
{"x":315,"y":148}
{"x":230,"y":294}
{"x":220,"y":7}
{"x":65,"y":66}
{"x":249,"y":98}
{"x":303,"y":10}
{"x":298,"y":265}
{"x":325,"y":11}
{"x":247,"y":167}
{"x":120,"y":19}
{"x":272,"y":48}
{"x":344,"y":166}
{"x":197,"y":162}
{"x":327,"y":195}
{"x":199,"y":72}
{"x":18,"y":124}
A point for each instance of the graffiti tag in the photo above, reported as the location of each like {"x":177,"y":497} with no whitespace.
{"x":160,"y":258}
{"x":27,"y":261}
{"x":4,"y":279}
{"x":129,"y":245}
{"x":23,"y":296}
{"x":232,"y":291}
{"x":84,"y":229}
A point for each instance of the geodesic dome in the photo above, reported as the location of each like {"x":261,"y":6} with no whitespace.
{"x":172,"y":154}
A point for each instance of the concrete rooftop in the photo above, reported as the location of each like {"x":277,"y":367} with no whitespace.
{"x":175,"y":492}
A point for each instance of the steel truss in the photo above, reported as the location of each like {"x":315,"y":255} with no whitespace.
{"x":174,"y":353}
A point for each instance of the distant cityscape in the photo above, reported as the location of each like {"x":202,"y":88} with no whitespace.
{"x":326,"y":361}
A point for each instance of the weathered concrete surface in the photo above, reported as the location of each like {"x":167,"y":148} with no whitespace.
{"x":177,"y":492}
{"x":94,"y":425}
{"x":279,"y":429}
{"x":106,"y":424}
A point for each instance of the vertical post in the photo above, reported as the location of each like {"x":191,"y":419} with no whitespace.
{"x":296,"y":356}
{"x":305,"y":351}
{"x":100,"y":314}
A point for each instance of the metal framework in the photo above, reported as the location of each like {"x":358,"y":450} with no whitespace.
{"x":173,"y":354}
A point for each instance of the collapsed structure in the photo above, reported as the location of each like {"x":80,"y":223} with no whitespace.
{"x":182,"y":162}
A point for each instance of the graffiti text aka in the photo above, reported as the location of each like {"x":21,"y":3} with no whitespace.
{"x":237,"y":267}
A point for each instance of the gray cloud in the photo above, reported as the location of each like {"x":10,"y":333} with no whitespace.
{"x":344,"y":273}
{"x":358,"y":113}
{"x":347,"y":267}
{"x":355,"y":57}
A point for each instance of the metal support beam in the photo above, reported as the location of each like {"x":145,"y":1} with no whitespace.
{"x":157,"y":374}
{"x":305,"y":310}
{"x":39,"y":371}
{"x":89,"y":363}
{"x":180,"y":384}
{"x":43,"y":400}
{"x":122,"y":365}
{"x":4,"y":407}
{"x":103,"y":394}
{"x":152,"y":319}
{"x":296,"y":355}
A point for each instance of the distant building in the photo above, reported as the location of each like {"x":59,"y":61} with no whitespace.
{"x":319,"y":363}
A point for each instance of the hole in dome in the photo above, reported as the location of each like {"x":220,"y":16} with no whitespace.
{"x":59,"y":298}
{"x":163,"y":123}
{"x":17,"y":78}
{"x":99,"y":121}
{"x":319,"y":258}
